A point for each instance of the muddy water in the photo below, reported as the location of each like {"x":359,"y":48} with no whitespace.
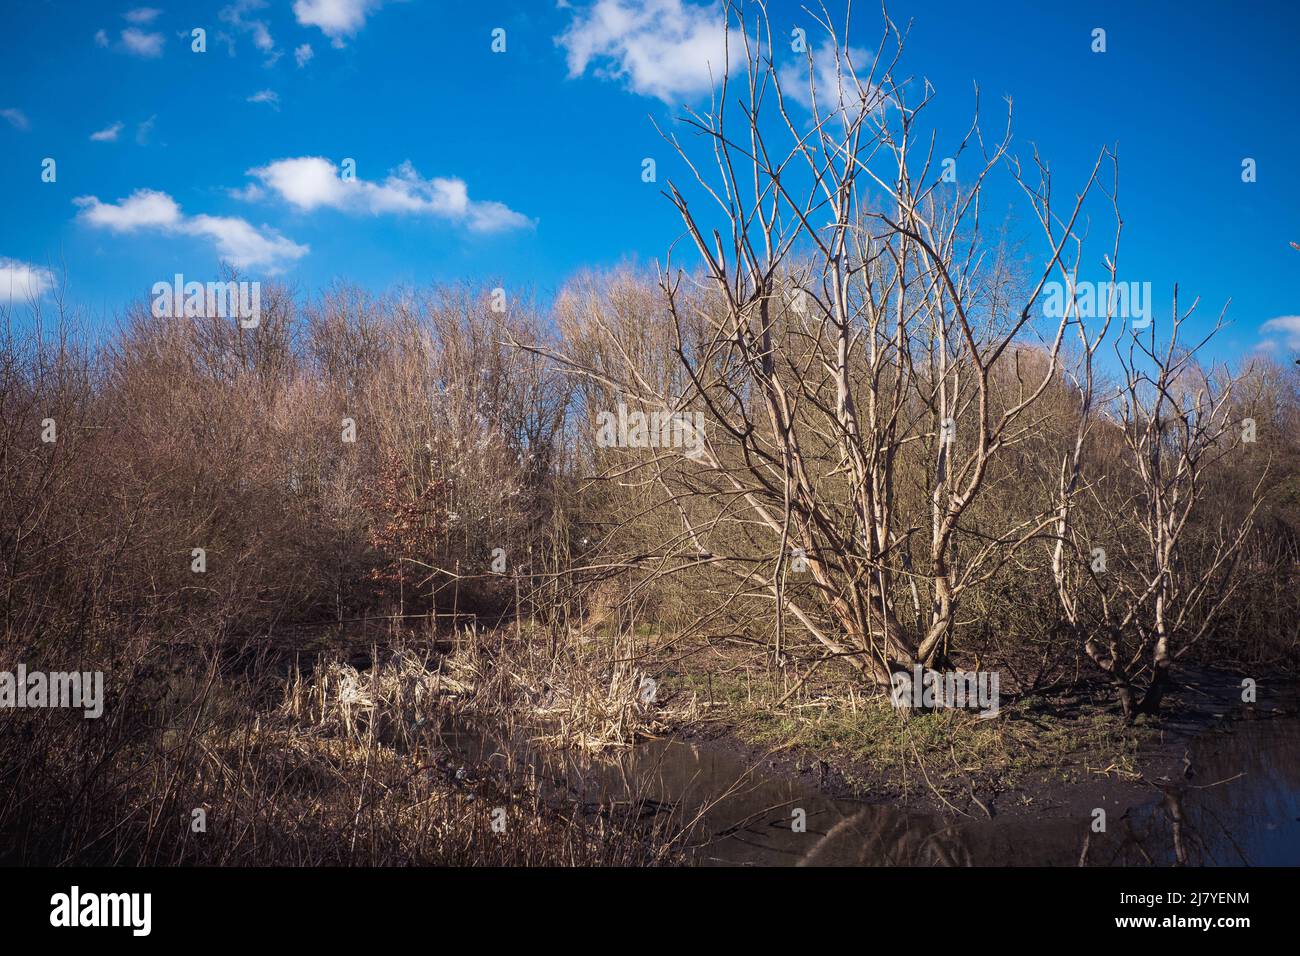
{"x":1237,"y":804}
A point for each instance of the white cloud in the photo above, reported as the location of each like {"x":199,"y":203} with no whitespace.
{"x":303,"y":54}
{"x":250,"y":193}
{"x":17,"y":118}
{"x":234,"y":15}
{"x":266,"y":96}
{"x":244,"y":246}
{"x":236,"y":240}
{"x":335,"y":18}
{"x":139,"y":43}
{"x":840,"y":77}
{"x":1284,"y":327}
{"x":262,"y":37}
{"x":141,"y":15}
{"x":107,"y":135}
{"x":145,"y":130}
{"x":307,"y":183}
{"x":662,"y":48}
{"x":101,"y":38}
{"x":311,"y":182}
{"x":143,"y":209}
{"x":23,"y":282}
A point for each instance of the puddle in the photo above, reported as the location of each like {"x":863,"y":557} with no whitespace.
{"x":1240,"y":806}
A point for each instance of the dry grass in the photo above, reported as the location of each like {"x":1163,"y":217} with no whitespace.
{"x":347,"y":769}
{"x":397,"y":700}
{"x":589,"y":694}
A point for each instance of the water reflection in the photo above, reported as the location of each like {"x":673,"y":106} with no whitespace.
{"x":1238,"y":803}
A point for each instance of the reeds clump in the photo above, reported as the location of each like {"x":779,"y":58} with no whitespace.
{"x":584,"y":695}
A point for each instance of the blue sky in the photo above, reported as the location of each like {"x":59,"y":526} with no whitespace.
{"x":524,"y":167}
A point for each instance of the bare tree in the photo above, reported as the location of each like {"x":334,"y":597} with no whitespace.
{"x":856,"y":346}
{"x":1177,"y":426}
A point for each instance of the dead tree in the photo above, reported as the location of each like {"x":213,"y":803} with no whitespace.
{"x":1142,"y":607}
{"x":857,"y":347}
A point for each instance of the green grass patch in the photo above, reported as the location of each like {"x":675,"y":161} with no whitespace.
{"x":869,"y":741}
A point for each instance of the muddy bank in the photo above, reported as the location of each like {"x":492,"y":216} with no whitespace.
{"x":1217,"y":784}
{"x":1205,"y":702}
{"x":1240,"y":806}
